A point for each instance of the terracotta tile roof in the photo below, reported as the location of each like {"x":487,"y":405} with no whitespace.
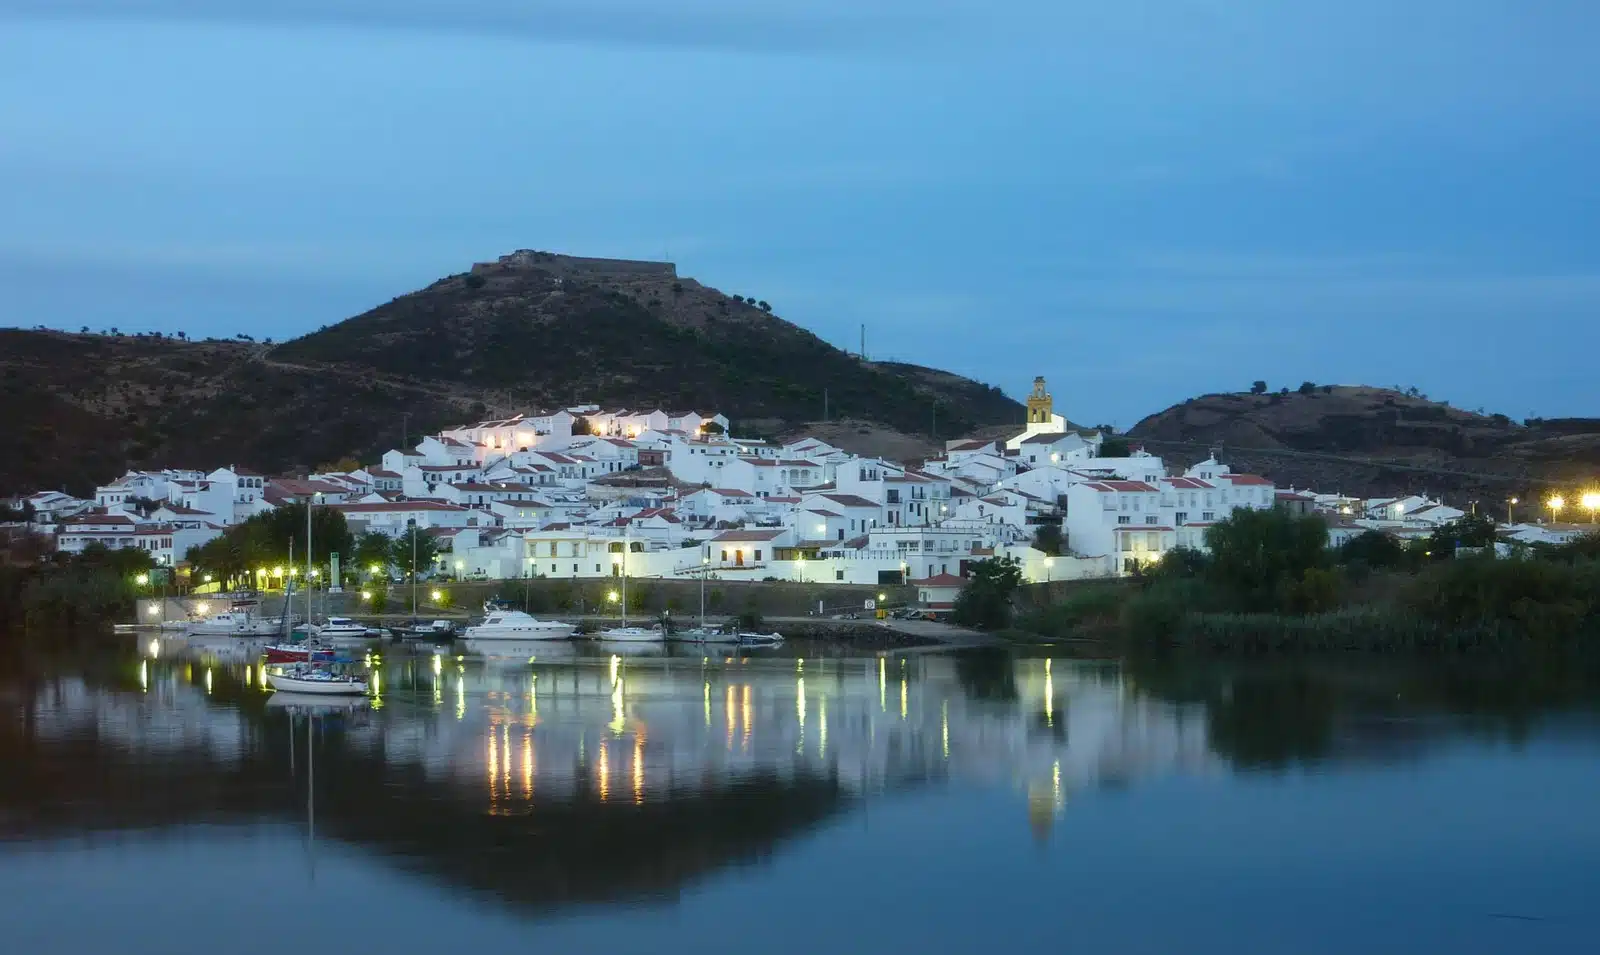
{"x":729,"y":492}
{"x":1114,"y":487}
{"x":380,"y":473}
{"x":851,"y":500}
{"x":398,"y":506}
{"x":1253,"y":480}
{"x":748,"y":536}
{"x":1048,"y":437}
{"x":939,"y":580}
{"x":1188,"y":484}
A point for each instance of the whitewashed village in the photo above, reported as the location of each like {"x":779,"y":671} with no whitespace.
{"x":587,"y":492}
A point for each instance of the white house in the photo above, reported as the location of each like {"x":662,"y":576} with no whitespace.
{"x":393,"y":517}
{"x":112,"y":531}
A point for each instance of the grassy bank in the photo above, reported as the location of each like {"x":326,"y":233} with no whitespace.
{"x":1271,"y":585}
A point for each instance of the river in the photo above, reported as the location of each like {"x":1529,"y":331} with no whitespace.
{"x":154,"y":797}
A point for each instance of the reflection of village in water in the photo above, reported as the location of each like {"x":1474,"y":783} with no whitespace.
{"x":551,"y":773}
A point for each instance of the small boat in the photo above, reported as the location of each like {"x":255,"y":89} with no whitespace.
{"x":237,"y":623}
{"x":516,"y":625}
{"x":436,"y":630}
{"x":631,"y":635}
{"x":755,"y":640}
{"x":703,"y":635}
{"x":312,"y":704}
{"x":317,"y":682}
{"x":342,"y":629}
{"x":298,"y":653}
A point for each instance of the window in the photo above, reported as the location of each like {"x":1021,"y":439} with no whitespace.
{"x":758,"y":554}
{"x":838,"y":575}
{"x":1207,"y":516}
{"x":1124,"y":519}
{"x":1150,"y":519}
{"x":1182,"y":517}
{"x":597,"y":568}
{"x":552,"y":568}
{"x":724,"y":557}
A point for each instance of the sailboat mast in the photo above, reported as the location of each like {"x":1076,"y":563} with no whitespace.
{"x":624,"y":579}
{"x":309,"y":499}
{"x":413,"y":574}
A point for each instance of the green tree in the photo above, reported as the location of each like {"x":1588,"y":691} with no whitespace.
{"x":1258,"y":388}
{"x":415,"y":542}
{"x":1254,"y":552}
{"x":373,"y":549}
{"x":1307,"y":387}
{"x":1468,"y":531}
{"x":1047,"y":539}
{"x":1115,"y":448}
{"x":985,"y":601}
{"x":1375,"y":549}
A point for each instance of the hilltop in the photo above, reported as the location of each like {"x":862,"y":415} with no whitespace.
{"x":532,"y":329}
{"x":1359,"y":438}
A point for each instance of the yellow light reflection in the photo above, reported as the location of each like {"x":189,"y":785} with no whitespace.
{"x":377,"y":685}
{"x":727,"y":710}
{"x":533,"y":701}
{"x":494,"y":763}
{"x":822,"y":728}
{"x":527,"y":766}
{"x":208,"y":681}
{"x":944,"y":727}
{"x":155,"y":648}
{"x":902,"y":697}
{"x":505,"y":765}
{"x":261,"y":677}
{"x":744,"y":742}
{"x":1049,"y":696}
{"x":883,"y":685}
{"x":144,"y":675}
{"x":438,"y":664}
{"x":800,"y":702}
{"x":461,"y":698}
{"x":603,"y":769}
{"x":249,"y":676}
{"x":707,"y":695}
{"x":616,"y":723}
{"x":638,"y":770}
{"x":616,"y":663}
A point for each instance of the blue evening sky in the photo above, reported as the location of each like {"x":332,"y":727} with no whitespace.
{"x":1141,"y":199}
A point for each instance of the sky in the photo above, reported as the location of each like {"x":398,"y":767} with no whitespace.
{"x":1142,"y":200}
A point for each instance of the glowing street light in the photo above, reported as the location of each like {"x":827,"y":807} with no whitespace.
{"x":1591,"y":503}
{"x":1511,"y":513}
{"x":437,"y":595}
{"x":376,"y":570}
{"x":207,"y":578}
{"x":611,"y":596}
{"x":142,"y":579}
{"x":1556,"y":504}
{"x":366,"y":595}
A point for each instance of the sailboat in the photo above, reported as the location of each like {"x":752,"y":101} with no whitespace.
{"x":287,"y":649}
{"x":703,"y":633}
{"x":625,"y":633}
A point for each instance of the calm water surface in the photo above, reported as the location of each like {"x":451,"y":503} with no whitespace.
{"x":154,"y":798}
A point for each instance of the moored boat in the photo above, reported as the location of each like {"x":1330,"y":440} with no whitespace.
{"x":631,"y":635}
{"x":342,"y":629}
{"x":317,"y":682}
{"x":297,"y":653}
{"x":516,"y":625}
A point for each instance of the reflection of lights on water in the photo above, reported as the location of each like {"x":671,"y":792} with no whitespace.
{"x":744,"y":741}
{"x":707,"y":695}
{"x":822,"y":726}
{"x":377,"y":685}
{"x":1049,"y":696}
{"x":249,"y":676}
{"x":208,"y":681}
{"x":902,"y":698}
{"x":1055,"y":784}
{"x":727,"y":710}
{"x":800,"y":701}
{"x":638,"y":770}
{"x":155,"y":648}
{"x":438,"y":664}
{"x":144,"y":675}
{"x":261,"y":678}
{"x":527,"y":765}
{"x":883,"y":686}
{"x":505,"y":767}
{"x":944,"y":727}
{"x":533,"y":700}
{"x":494,"y":763}
{"x":616,"y":663}
{"x":616,"y":723}
{"x":461,"y":697}
{"x":603,"y":769}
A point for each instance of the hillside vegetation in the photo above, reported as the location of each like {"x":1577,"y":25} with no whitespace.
{"x":529,"y":330}
{"x":1362,"y":439}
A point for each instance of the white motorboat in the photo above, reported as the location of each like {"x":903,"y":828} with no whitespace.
{"x":631,"y":635}
{"x":237,"y":623}
{"x":746,"y":639}
{"x":343,"y":629}
{"x":317,"y":682}
{"x":516,"y":625}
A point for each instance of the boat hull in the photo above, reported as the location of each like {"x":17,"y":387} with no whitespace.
{"x":631,"y":635}
{"x":292,"y":684}
{"x":279,"y":654}
{"x":484,"y":634}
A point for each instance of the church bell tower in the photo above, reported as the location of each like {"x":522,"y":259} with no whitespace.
{"x":1041,"y":409}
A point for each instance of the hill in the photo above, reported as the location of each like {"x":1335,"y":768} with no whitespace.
{"x":532,"y":329}
{"x":1361,"y":439}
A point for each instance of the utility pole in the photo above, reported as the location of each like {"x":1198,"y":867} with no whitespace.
{"x":863,"y":341}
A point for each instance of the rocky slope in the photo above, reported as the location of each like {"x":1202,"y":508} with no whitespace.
{"x":1360,"y":439}
{"x":529,"y":330}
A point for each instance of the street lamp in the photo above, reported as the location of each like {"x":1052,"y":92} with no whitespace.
{"x":1591,"y":503}
{"x":1556,"y":504}
{"x":611,"y":596}
{"x":1049,"y":562}
{"x":459,"y":566}
{"x":1511,"y":517}
{"x":366,"y":595}
{"x":142,"y":579}
{"x":208,"y":578}
{"x":437,"y":595}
